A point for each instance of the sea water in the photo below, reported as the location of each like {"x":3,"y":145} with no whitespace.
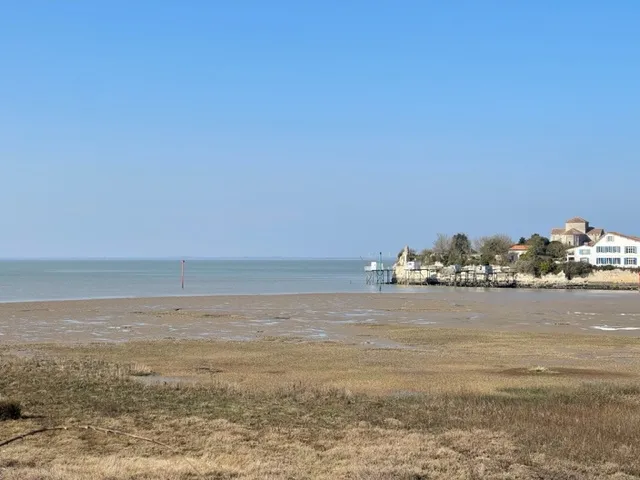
{"x":27,"y":280}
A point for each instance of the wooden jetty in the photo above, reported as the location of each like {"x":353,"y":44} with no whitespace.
{"x":377,"y":273}
{"x":463,"y":278}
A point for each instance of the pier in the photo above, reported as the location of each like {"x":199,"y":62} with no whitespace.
{"x":463,"y":278}
{"x":378,"y":274}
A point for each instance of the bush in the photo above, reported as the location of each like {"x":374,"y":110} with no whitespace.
{"x":10,"y":410}
{"x":548,"y":267}
{"x":607,"y":268}
{"x":577,"y":269}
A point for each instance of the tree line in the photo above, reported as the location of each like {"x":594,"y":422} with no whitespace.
{"x":458,"y":249}
{"x":543,"y":256}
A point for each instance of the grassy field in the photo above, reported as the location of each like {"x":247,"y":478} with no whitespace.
{"x":454,"y":403}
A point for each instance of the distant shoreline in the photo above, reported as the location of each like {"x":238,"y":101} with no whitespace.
{"x":622,"y":287}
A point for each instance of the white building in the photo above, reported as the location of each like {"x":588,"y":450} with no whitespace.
{"x":616,"y":249}
{"x":516,"y":251}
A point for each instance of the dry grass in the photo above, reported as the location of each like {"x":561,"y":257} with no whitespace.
{"x":140,"y":370}
{"x":462,"y":405}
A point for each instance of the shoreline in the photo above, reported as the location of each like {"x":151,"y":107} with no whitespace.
{"x":399,"y":289}
{"x":191,"y":296}
{"x":622,"y":287}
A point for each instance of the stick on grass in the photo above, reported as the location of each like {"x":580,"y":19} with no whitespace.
{"x":102,"y":430}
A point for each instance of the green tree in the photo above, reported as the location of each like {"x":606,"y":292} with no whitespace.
{"x":557,"y":250}
{"x":577,"y":269}
{"x":537,"y":245}
{"x":459,"y":250}
{"x":522,"y":241}
{"x":538,"y":260}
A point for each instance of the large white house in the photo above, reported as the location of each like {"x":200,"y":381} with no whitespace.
{"x":621,"y":251}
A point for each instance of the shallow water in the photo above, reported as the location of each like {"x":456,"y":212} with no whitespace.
{"x":28,"y":280}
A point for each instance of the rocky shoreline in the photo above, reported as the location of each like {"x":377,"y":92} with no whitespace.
{"x":619,"y":280}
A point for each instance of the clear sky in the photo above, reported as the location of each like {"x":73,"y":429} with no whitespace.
{"x":328,"y":128}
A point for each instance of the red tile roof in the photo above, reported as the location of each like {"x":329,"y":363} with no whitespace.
{"x":519,"y":247}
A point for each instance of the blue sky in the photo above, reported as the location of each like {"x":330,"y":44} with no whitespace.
{"x":166,"y":128}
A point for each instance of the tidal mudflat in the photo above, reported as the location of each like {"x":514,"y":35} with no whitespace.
{"x":472,"y":384}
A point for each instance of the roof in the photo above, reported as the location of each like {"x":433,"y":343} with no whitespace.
{"x":519,"y":247}
{"x":573,"y":231}
{"x":557,"y":231}
{"x":595,"y":230}
{"x":577,"y":220}
{"x":628,"y":237}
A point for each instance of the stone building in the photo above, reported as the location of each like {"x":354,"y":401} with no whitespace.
{"x":576,"y":232}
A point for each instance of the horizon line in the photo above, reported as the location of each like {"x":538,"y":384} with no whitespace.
{"x":179,"y":258}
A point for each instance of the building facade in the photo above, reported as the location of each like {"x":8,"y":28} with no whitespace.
{"x":616,"y":249}
{"x":516,"y":251}
{"x":576,"y":232}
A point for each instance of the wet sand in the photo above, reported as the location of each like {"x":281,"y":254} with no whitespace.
{"x":318,"y":317}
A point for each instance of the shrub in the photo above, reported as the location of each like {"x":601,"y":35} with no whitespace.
{"x":607,"y":268}
{"x":577,"y":269}
{"x":547,"y":267}
{"x":10,"y":410}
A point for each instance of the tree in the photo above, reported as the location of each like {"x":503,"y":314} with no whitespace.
{"x":493,"y":247}
{"x":537,"y":245}
{"x":577,"y":269}
{"x":522,"y":241}
{"x":441,"y":247}
{"x":459,"y":250}
{"x":539,"y":259}
{"x":425,"y":256}
{"x":557,"y":250}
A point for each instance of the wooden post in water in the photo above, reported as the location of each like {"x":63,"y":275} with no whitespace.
{"x":182,"y":274}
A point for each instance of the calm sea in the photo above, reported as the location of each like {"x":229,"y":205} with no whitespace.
{"x":25,"y":280}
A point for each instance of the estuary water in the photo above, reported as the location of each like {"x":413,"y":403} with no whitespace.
{"x":30,"y":280}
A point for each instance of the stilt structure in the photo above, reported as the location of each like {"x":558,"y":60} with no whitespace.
{"x":377,"y":274}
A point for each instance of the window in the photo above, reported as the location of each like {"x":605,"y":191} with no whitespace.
{"x":610,"y":238}
{"x":631,"y":261}
{"x":584,"y":251}
{"x":608,"y":249}
{"x":608,"y":261}
{"x":584,"y":259}
{"x":631,"y":250}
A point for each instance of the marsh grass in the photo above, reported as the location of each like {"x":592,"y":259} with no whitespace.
{"x":140,"y":370}
{"x":270,"y":412}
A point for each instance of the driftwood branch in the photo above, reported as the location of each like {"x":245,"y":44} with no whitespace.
{"x":102,"y":430}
